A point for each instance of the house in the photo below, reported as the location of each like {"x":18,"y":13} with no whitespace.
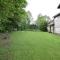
{"x":54,"y":25}
{"x":50,"y":26}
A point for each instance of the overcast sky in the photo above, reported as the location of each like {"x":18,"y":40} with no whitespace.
{"x":45,"y":7}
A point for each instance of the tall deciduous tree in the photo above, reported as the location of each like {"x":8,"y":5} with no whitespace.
{"x":42,"y":23}
{"x":11,"y":13}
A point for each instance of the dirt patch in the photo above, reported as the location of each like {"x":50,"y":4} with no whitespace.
{"x":4,"y":46}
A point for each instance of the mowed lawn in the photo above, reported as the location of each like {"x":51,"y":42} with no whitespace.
{"x":34,"y":46}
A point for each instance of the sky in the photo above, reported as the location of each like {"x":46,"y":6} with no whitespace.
{"x":44,"y":7}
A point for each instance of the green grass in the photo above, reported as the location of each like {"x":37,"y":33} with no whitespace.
{"x":34,"y":46}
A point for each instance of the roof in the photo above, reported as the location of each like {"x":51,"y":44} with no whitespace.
{"x":57,"y":15}
{"x":59,"y":6}
{"x":50,"y":21}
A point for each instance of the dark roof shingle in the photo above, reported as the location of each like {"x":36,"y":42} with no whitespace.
{"x":59,"y":6}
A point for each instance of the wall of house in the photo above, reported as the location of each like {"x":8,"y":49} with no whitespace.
{"x":48,"y":28}
{"x":52,"y":29}
{"x":57,"y":25}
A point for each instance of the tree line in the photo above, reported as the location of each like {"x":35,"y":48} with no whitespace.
{"x":13,"y":17}
{"x":41,"y":23}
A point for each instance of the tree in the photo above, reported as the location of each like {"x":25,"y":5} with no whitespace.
{"x":29,"y":19}
{"x":11,"y":13}
{"x":42,"y":23}
{"x":23,"y":22}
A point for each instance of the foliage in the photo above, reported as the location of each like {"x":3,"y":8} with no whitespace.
{"x":29,"y":19}
{"x":42,"y":23}
{"x":28,"y":45}
{"x":33,"y":27}
{"x":11,"y":13}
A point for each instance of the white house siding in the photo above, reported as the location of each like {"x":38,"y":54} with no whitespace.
{"x":48,"y":28}
{"x":57,"y":30}
{"x":52,"y":29}
{"x":57,"y":25}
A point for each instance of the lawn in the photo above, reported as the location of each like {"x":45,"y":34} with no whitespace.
{"x":34,"y":46}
